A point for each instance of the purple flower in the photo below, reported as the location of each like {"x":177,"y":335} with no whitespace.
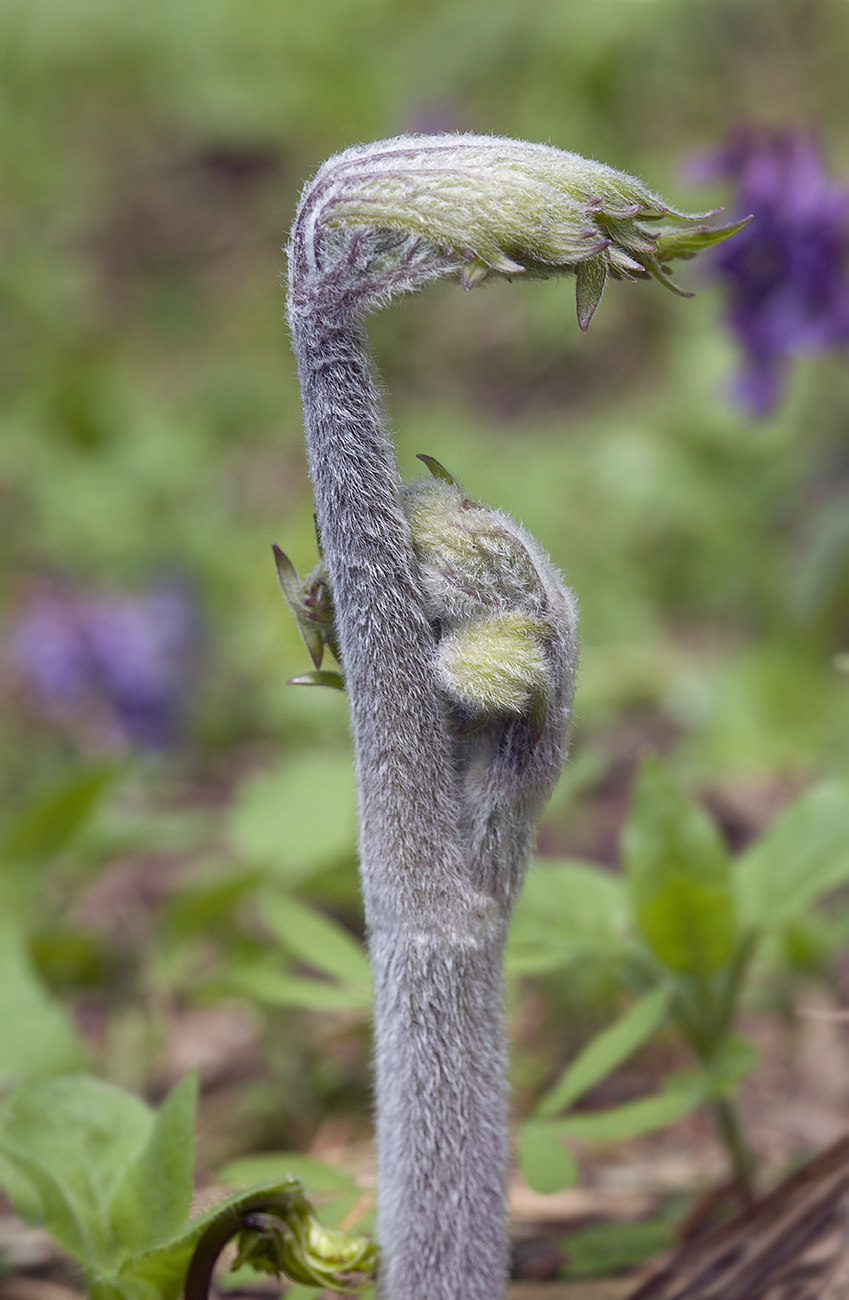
{"x":128,"y":658}
{"x":787,"y":272}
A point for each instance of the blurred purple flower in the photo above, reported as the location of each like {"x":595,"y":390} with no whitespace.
{"x":787,"y":272}
{"x":130,"y":657}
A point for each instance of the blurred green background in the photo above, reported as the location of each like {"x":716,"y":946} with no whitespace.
{"x":152,"y":157}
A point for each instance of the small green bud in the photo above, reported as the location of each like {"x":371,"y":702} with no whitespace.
{"x":491,"y":205}
{"x":489,"y":591}
{"x":496,"y":665}
{"x":473,"y":559}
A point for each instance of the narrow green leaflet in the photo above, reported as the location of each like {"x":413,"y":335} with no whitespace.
{"x":546,"y":1164}
{"x":317,"y":941}
{"x":606,"y":1052}
{"x":679,"y":874}
{"x":804,"y":854}
{"x":46,"y":825}
{"x":633,"y":1119}
{"x":688,"y":241}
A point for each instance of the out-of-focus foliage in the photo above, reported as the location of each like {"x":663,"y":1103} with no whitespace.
{"x":682,"y":929}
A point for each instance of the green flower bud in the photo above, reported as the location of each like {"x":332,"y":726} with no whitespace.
{"x":492,"y":594}
{"x":505,"y":206}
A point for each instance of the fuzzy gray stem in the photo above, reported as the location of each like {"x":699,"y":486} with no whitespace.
{"x":435,"y":942}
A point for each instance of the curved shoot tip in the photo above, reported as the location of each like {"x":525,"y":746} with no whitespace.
{"x":481,"y":205}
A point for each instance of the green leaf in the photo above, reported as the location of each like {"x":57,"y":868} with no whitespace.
{"x":37,"y":1037}
{"x":633,"y":1119}
{"x":438,"y":471}
{"x":201,"y":904}
{"x":735,"y":1060}
{"x":545,"y":1163}
{"x":299,"y":818}
{"x":74,"y":1139}
{"x":152,"y":1201}
{"x":269,"y":985}
{"x":316,"y":1175}
{"x":321,"y":677}
{"x":317,"y":940}
{"x":568,"y":912}
{"x":332,"y":1190}
{"x":159,"y":1274}
{"x":606,"y":1052}
{"x":679,"y":875}
{"x":46,"y":826}
{"x":803,"y":855}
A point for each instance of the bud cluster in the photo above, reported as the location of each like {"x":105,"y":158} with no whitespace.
{"x":494,"y":598}
{"x":496,"y":603}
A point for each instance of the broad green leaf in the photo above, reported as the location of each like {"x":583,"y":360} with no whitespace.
{"x":298,"y":818}
{"x":633,"y":1119}
{"x":37,"y":1037}
{"x":567,"y":912}
{"x":679,"y":875}
{"x":47,"y":825}
{"x":606,"y":1052}
{"x":317,"y":941}
{"x":803,"y":855}
{"x":152,"y":1201}
{"x":545,"y":1163}
{"x":334,"y":1192}
{"x":74,"y":1139}
{"x":58,"y":1208}
{"x":268,"y":985}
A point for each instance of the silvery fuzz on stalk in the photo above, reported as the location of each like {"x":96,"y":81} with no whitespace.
{"x":457,"y":642}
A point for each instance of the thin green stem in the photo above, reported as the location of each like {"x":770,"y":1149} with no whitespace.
{"x":730,"y":1132}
